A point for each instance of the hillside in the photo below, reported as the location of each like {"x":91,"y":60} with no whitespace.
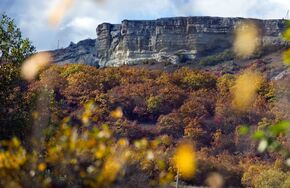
{"x":173,"y":40}
{"x":192,"y":101}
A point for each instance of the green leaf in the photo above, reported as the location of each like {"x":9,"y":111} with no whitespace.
{"x":274,"y":146}
{"x":280,"y":128}
{"x":259,"y":135}
{"x":243,"y":130}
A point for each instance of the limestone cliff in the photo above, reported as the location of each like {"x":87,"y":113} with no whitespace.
{"x":172,"y":40}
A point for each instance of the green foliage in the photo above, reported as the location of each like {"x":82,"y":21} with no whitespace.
{"x":14,"y":112}
{"x":195,"y":80}
{"x":75,"y":68}
{"x":286,"y":36}
{"x":268,"y":138}
{"x":217,"y":58}
{"x":225,"y":84}
{"x":153,"y":103}
{"x":13,"y":47}
{"x":280,"y":128}
{"x":243,"y":130}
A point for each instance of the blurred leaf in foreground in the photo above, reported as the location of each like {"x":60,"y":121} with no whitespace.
{"x":245,"y":89}
{"x":58,"y":12}
{"x":280,"y":128}
{"x":185,"y":160}
{"x":286,"y":57}
{"x":243,"y":130}
{"x":34,"y":64}
{"x":247,"y":39}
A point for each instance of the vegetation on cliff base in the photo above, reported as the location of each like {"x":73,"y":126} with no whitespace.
{"x":138,"y":107}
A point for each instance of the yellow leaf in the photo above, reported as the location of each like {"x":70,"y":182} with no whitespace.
{"x":41,"y":167}
{"x":118,"y":113}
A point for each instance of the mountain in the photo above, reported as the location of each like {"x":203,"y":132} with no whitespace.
{"x":178,"y":40}
{"x":84,"y":52}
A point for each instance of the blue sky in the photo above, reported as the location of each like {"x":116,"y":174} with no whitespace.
{"x":82,"y":19}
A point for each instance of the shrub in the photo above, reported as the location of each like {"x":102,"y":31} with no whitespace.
{"x":153,"y":103}
{"x":286,"y":183}
{"x":272,"y":178}
{"x":217,"y":58}
{"x":14,"y":110}
{"x":199,"y":104}
{"x":171,"y":125}
{"x":195,"y":130}
{"x":87,"y":157}
{"x":193,"y":80}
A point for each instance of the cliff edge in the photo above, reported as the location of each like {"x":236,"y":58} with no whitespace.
{"x":175,"y":40}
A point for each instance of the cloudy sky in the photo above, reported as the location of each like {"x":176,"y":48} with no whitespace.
{"x":81,"y":20}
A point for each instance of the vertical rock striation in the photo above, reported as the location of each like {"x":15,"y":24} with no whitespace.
{"x":175,"y":39}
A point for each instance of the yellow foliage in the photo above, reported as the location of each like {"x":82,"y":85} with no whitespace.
{"x":14,"y":156}
{"x":118,"y":113}
{"x":42,"y":167}
{"x":286,"y":57}
{"x":111,"y":169}
{"x":89,"y":109}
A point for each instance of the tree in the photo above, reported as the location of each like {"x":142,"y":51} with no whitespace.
{"x":13,"y":112}
{"x":14,"y":48}
{"x":13,"y":51}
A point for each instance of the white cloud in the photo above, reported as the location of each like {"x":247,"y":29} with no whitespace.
{"x":81,"y":23}
{"x":267,"y":9}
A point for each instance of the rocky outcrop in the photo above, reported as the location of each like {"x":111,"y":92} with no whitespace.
{"x":84,"y":52}
{"x":173,"y":40}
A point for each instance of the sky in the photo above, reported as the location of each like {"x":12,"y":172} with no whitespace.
{"x":81,"y":19}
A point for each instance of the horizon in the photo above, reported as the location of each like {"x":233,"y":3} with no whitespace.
{"x":81,"y":20}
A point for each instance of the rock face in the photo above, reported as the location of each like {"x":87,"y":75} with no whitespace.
{"x":174,"y":40}
{"x":84,"y":52}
